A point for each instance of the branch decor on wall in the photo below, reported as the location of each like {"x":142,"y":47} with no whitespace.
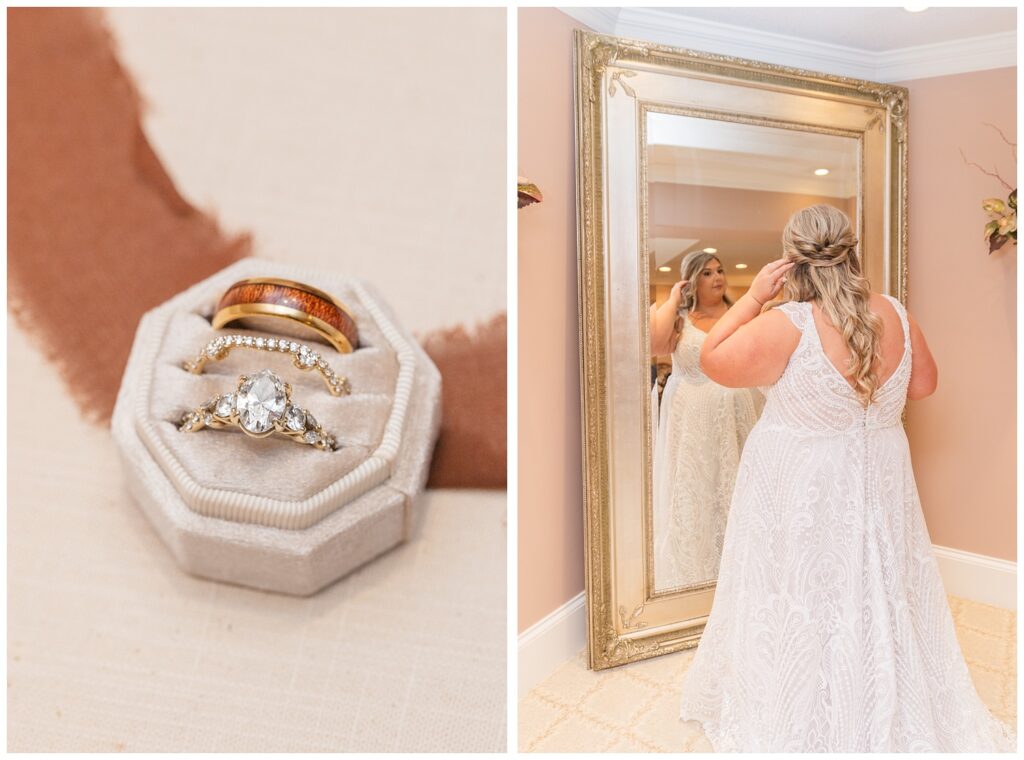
{"x":1002,"y":226}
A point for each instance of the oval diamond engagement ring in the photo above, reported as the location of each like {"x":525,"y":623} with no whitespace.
{"x":261,"y":405}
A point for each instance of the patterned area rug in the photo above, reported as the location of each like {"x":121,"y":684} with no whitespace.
{"x":635,"y":708}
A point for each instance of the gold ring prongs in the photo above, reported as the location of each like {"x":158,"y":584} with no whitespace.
{"x":261,"y":405}
{"x":303,"y":357}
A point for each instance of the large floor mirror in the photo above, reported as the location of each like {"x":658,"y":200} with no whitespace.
{"x":688,"y":167}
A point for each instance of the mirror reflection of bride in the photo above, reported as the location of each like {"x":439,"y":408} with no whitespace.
{"x":699,"y":428}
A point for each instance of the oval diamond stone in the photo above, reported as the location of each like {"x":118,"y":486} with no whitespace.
{"x":260,"y":401}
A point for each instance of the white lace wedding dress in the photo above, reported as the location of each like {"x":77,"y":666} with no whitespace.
{"x":699,"y":433}
{"x":830,"y":630}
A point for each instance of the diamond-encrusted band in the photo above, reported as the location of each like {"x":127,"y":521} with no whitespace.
{"x":302,"y":355}
{"x":260,"y":406}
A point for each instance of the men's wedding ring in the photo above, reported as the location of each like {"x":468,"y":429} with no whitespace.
{"x":290,"y":307}
{"x":260,"y":406}
{"x":303,"y":357}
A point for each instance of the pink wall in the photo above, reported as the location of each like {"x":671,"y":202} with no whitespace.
{"x":963,"y":437}
{"x":550,"y":486}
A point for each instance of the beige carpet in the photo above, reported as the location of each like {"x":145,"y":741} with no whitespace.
{"x":635,"y":708}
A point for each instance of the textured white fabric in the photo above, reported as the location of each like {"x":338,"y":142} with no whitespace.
{"x":699,"y":433}
{"x":830,"y":629}
{"x":112,"y":648}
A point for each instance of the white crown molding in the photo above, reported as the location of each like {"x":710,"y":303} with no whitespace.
{"x":991,"y":51}
{"x":659,"y":26}
{"x":600,"y":20}
{"x":561,"y":635}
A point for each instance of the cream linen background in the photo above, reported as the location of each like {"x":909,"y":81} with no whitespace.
{"x":365,"y":141}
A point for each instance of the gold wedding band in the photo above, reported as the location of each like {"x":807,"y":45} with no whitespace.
{"x":288,"y":307}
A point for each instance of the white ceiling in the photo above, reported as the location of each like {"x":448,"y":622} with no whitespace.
{"x":874,"y":29}
{"x":667,"y":248}
{"x":752,"y":171}
{"x":876,"y":44}
{"x":710,"y":153}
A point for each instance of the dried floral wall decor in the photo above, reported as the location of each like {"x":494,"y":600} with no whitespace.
{"x":1002,"y":225}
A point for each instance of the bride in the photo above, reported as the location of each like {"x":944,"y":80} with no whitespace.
{"x":698,"y":432}
{"x":830,"y":630}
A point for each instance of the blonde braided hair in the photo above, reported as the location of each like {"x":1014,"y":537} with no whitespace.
{"x":820,"y":240}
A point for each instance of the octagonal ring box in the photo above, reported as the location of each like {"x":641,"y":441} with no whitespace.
{"x":273,"y":513}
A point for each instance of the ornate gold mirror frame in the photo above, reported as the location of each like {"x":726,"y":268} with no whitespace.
{"x":617,"y":83}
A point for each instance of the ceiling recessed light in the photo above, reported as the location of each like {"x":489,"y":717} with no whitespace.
{"x":710,"y":250}
{"x":821,"y":172}
{"x":741,"y":266}
{"x":915,"y":8}
{"x":664,"y":269}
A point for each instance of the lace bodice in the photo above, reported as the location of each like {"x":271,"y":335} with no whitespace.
{"x":812,"y":397}
{"x":686,"y":355}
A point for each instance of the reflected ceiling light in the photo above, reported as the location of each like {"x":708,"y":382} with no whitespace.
{"x":915,"y":8}
{"x":710,"y":250}
{"x":821,"y":172}
{"x":741,"y":266}
{"x":664,"y":269}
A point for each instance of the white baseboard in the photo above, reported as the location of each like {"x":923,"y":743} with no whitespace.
{"x":562,"y":634}
{"x":551,"y":641}
{"x":978,"y":577}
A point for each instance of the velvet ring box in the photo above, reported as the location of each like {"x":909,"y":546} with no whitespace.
{"x":273,"y":513}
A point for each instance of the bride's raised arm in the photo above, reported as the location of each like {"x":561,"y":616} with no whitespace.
{"x":663,"y":320}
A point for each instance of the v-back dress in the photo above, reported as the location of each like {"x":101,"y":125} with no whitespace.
{"x":830,"y":630}
{"x":699,"y":432}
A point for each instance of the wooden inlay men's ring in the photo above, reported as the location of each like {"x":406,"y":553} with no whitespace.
{"x":295,"y":309}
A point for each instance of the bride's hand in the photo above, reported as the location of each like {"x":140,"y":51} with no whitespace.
{"x":675,"y":294}
{"x":768,"y":281}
